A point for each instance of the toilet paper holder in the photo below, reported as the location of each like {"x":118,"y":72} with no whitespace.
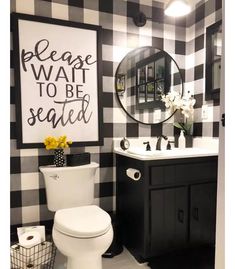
{"x":133,"y":174}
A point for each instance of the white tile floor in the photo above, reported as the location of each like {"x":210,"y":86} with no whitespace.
{"x":122,"y":261}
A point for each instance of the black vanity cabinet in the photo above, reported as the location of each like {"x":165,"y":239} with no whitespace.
{"x":202,"y":208}
{"x":171,"y":207}
{"x":168,"y":219}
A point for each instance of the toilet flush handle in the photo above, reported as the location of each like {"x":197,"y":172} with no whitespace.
{"x":55,"y":177}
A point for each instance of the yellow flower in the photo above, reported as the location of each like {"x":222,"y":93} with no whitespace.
{"x":52,"y":142}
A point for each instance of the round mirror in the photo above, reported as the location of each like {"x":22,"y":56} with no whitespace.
{"x":142,"y":77}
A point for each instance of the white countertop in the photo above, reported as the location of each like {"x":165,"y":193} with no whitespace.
{"x":202,"y":147}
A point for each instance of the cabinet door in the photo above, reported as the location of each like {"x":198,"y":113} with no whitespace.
{"x":203,"y":214}
{"x":169,"y":219}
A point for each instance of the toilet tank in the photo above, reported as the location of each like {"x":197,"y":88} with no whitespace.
{"x":69,"y":186}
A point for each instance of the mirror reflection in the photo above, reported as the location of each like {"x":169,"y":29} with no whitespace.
{"x":142,"y":77}
{"x":213,"y":60}
{"x":217,"y":45}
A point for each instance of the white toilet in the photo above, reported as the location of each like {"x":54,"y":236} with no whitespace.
{"x":81,"y":231}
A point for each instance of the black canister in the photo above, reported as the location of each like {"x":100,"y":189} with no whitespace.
{"x":78,"y":159}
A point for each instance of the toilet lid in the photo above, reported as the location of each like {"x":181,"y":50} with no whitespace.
{"x":82,"y":222}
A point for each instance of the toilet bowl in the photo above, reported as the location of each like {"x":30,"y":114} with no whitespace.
{"x":81,"y":231}
{"x":76,"y":236}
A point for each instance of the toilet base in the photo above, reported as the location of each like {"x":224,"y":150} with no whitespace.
{"x":89,"y":262}
{"x":83,"y":253}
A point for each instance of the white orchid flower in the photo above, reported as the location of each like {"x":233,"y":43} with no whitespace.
{"x":178,"y":102}
{"x":185,"y":104}
{"x":186,"y":111}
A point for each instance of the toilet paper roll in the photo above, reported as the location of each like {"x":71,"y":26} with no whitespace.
{"x":46,"y":250}
{"x":22,"y":258}
{"x":133,"y":174}
{"x":18,"y":260}
{"x":40,"y":229}
{"x":29,"y":239}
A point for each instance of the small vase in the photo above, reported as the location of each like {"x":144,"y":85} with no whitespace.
{"x":59,"y":157}
{"x":189,"y":141}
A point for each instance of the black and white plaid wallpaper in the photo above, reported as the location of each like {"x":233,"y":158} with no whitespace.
{"x":205,"y":14}
{"x":183,"y":39}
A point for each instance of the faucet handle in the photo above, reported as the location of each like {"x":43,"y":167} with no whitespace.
{"x":168,"y":147}
{"x":148,"y":148}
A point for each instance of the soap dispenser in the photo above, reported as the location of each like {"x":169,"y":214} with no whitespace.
{"x":181,"y":141}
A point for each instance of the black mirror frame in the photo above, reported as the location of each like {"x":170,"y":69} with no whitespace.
{"x":210,"y":93}
{"x":116,"y":91}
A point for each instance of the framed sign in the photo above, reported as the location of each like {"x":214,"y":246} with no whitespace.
{"x":57,"y":80}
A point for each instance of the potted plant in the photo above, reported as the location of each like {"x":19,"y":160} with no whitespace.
{"x":58,"y":144}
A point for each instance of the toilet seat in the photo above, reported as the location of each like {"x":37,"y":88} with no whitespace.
{"x":82,"y":222}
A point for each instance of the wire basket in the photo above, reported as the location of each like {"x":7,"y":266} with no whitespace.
{"x":41,"y":256}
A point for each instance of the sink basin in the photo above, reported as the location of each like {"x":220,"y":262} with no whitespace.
{"x":143,"y":152}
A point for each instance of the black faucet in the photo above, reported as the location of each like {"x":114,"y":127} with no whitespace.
{"x":148,"y":148}
{"x":158,"y":146}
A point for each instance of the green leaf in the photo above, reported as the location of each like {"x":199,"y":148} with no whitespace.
{"x":183,"y":126}
{"x":178,"y":125}
{"x":188,"y":127}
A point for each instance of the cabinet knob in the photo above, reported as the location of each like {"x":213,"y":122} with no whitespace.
{"x":223,"y":119}
{"x":181,"y":215}
{"x":195,"y":213}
